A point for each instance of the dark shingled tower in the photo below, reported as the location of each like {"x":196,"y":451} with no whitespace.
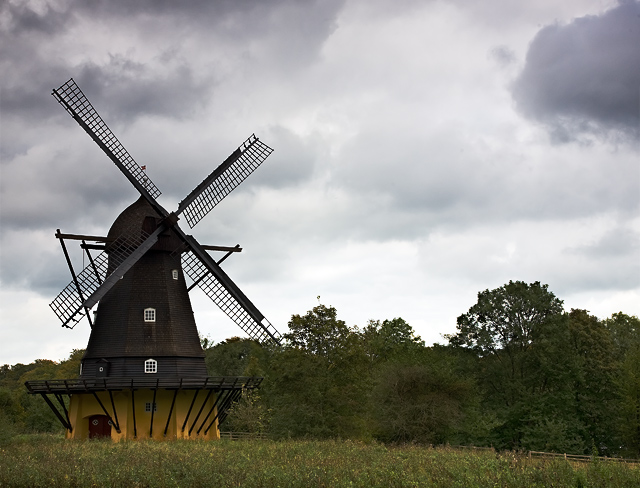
{"x":120,"y":333}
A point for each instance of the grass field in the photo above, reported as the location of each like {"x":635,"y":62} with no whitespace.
{"x":50,"y":461}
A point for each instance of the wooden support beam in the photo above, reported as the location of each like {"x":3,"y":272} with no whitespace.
{"x":93,"y":264}
{"x":56,"y":412}
{"x":105,"y":412}
{"x":133,"y":405}
{"x":64,"y":409}
{"x":200,"y":411}
{"x":173,"y":402}
{"x":224,"y":410}
{"x":189,"y":411}
{"x":235,"y":248}
{"x":79,"y":237}
{"x":210,"y":412}
{"x":153,"y":409}
{"x":115,"y":413}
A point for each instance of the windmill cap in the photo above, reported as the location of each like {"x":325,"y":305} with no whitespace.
{"x":140,"y":215}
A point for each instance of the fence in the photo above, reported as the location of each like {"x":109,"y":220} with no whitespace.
{"x":578,"y":458}
{"x":235,"y":436}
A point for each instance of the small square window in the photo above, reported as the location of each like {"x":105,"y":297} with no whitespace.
{"x":174,"y":274}
{"x":151,"y":366}
{"x":147,"y":407}
{"x":149,"y":314}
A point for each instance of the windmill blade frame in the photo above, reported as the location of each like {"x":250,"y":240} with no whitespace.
{"x":69,"y":305}
{"x":133,"y":257}
{"x":75,"y":102}
{"x":223,"y":180}
{"x":220,"y":288}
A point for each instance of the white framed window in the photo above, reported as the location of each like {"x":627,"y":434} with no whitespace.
{"x":148,"y":406}
{"x":149,"y":314}
{"x":174,"y":274}
{"x":151,"y":366}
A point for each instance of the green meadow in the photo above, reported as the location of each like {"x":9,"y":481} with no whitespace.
{"x":50,"y":461}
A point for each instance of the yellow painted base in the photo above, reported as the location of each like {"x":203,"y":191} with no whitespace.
{"x":84,"y":406}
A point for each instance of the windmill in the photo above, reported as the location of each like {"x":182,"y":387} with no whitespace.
{"x":143,"y":374}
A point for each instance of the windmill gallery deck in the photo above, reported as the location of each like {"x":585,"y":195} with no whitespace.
{"x":143,"y":374}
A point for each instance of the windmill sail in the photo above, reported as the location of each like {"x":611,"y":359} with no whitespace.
{"x":247,"y":317}
{"x":68,"y":305}
{"x":78,"y":105}
{"x":224,"y":179}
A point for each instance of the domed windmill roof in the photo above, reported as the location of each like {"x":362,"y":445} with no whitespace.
{"x":140,"y":215}
{"x":132,"y":216}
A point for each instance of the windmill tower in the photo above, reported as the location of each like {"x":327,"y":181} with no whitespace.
{"x":143,"y":374}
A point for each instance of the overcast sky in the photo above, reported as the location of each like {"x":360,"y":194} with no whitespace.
{"x":424,"y":151}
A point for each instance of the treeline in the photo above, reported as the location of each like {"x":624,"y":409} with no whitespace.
{"x":24,"y":413}
{"x":519,"y":373}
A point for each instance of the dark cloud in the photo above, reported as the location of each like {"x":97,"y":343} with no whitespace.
{"x":33,"y":61}
{"x":584,"y":77}
{"x":21,"y":19}
{"x":618,"y":242}
{"x":123,"y":90}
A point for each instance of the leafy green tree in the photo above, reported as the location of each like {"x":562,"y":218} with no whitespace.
{"x":391,"y":340}
{"x":249,"y":414}
{"x":242,"y":357}
{"x":629,"y":426}
{"x":505,"y":321}
{"x":625,"y":332}
{"x":232,"y":357}
{"x":318,"y":381}
{"x":596,"y":371}
{"x":425,"y":400}
{"x":70,"y":367}
{"x":625,"y":335}
{"x":11,"y":414}
{"x":516,"y":333}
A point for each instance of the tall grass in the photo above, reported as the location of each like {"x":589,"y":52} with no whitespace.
{"x":39,"y":461}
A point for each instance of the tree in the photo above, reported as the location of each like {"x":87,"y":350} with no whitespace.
{"x":503,"y":326}
{"x":424,"y":400}
{"x":391,"y":340}
{"x":248,"y":414}
{"x":505,"y":321}
{"x":625,"y":332}
{"x":625,"y":335}
{"x":233,"y":356}
{"x":630,"y":401}
{"x":516,"y":331}
{"x":596,"y":371}
{"x":317,"y":380}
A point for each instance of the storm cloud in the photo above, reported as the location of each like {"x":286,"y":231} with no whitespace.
{"x":583,"y":77}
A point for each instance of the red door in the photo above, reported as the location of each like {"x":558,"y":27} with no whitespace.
{"x":99,"y":426}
